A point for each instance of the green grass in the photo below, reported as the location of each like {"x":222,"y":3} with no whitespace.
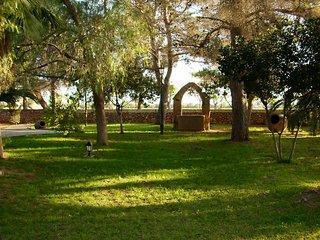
{"x":150,"y":186}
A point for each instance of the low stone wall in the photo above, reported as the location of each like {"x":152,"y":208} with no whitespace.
{"x":141,"y":116}
{"x":4,"y":116}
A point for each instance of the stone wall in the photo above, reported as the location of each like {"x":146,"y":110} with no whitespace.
{"x":4,"y":116}
{"x":142,"y":116}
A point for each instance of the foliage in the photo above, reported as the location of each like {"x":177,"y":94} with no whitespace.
{"x":146,"y":186}
{"x":110,"y":47}
{"x":29,"y":18}
{"x":133,"y":84}
{"x":212,"y":81}
{"x":115,"y":34}
{"x":66,"y":118}
{"x":220,"y":23}
{"x":167,"y":23}
{"x":280,"y":63}
{"x":11,"y":95}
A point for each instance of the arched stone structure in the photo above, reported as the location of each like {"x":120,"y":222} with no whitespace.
{"x":177,"y":110}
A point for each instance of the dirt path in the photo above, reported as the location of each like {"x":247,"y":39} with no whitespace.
{"x":22,"y":130}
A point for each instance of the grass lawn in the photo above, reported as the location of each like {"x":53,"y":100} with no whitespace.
{"x":150,"y":186}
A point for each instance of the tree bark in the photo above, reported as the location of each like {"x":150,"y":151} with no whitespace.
{"x":170,"y":61}
{"x":98,"y":96}
{"x":121,"y":121}
{"x":165,"y":102}
{"x":53,"y":102}
{"x":98,"y":99}
{"x":140,"y":102}
{"x":1,"y":147}
{"x":72,"y":11}
{"x":240,"y":128}
{"x":250,"y":103}
{"x":239,"y":113}
{"x":41,"y":100}
{"x":25,"y":103}
{"x":4,"y":43}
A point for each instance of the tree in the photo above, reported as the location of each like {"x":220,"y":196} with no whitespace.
{"x":307,"y":75}
{"x":134,"y":84}
{"x":29,"y":17}
{"x":167,"y":21}
{"x":12,"y":95}
{"x":114,"y":33}
{"x":213,"y":82}
{"x":281,"y":63}
{"x":17,"y":16}
{"x":46,"y":64}
{"x":141,"y":83}
{"x":223,"y":22}
{"x":98,"y":95}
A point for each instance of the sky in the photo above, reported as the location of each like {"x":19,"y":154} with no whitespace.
{"x":182,"y":74}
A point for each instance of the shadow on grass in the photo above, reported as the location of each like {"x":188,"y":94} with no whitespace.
{"x":212,"y":218}
{"x":148,"y":186}
{"x":210,"y":159}
{"x":134,"y":153}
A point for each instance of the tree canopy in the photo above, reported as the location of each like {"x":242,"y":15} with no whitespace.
{"x":282,"y":63}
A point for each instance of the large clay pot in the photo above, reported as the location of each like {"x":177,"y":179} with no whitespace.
{"x":277,"y":122}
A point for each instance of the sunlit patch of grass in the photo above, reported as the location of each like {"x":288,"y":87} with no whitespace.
{"x":143,"y":185}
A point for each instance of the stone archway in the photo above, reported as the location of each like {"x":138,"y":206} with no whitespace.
{"x":197,"y":122}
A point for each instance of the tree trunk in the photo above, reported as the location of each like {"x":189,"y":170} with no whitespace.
{"x":240,"y":128}
{"x":98,"y":99}
{"x":276,"y":147}
{"x":119,"y":109}
{"x":140,"y":102}
{"x":165,"y":100}
{"x":41,"y":100}
{"x":53,"y":102}
{"x":163,"y":109}
{"x":25,"y":103}
{"x":280,"y":147}
{"x":240,"y":131}
{"x":294,"y":143}
{"x":85,"y":108}
{"x":121,"y":122}
{"x":1,"y":147}
{"x":250,"y":103}
{"x":4,"y":43}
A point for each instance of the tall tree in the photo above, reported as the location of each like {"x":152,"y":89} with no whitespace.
{"x":166,"y":21}
{"x":44,"y":65}
{"x":133,"y":84}
{"x":282,"y":64}
{"x":108,"y":32}
{"x":222,"y":22}
{"x":28,"y":17}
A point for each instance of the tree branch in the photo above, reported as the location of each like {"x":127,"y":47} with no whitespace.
{"x":62,"y":52}
{"x":216,"y":19}
{"x":72,"y":11}
{"x":44,"y":65}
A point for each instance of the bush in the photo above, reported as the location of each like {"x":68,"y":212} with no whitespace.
{"x":66,"y":117}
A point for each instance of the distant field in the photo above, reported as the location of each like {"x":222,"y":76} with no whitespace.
{"x":150,"y":186}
